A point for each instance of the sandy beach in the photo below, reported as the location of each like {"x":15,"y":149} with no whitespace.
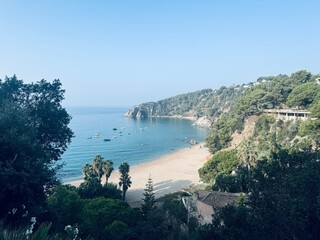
{"x":169,"y":173}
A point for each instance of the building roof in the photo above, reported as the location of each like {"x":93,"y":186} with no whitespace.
{"x":218,"y":199}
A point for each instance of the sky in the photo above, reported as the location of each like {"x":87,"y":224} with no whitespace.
{"x":123,"y":53}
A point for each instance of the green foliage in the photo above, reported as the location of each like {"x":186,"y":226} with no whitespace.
{"x":42,"y":232}
{"x":235,"y":182}
{"x":206,"y":102}
{"x":303,"y":95}
{"x":283,"y":202}
{"x":97,"y":169}
{"x":263,"y":124}
{"x":125,"y":179}
{"x":226,"y":182}
{"x":65,"y":206}
{"x":175,"y":208}
{"x":285,"y":193}
{"x":34,"y":134}
{"x":99,"y":213}
{"x":231,"y":222}
{"x":221,"y":162}
{"x":92,"y":186}
{"x":166,"y":221}
{"x":315,"y":109}
{"x":220,"y":134}
{"x":119,"y":231}
{"x":149,"y":199}
{"x":266,"y":93}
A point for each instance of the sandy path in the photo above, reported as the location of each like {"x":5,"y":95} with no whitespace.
{"x":169,"y":173}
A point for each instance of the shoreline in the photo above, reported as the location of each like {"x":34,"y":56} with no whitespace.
{"x":196,"y":121}
{"x":169,"y":173}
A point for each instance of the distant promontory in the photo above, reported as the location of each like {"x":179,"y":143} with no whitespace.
{"x":202,"y":107}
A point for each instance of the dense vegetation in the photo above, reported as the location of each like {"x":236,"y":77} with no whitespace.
{"x":283,"y":202}
{"x":228,"y":107}
{"x":277,"y":168}
{"x":34,"y":134}
{"x":34,"y":204}
{"x":205,"y":103}
{"x":298,"y":90}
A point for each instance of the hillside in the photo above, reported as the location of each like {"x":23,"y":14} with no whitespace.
{"x":202,"y":106}
{"x":253,"y":130}
{"x":226,"y":110}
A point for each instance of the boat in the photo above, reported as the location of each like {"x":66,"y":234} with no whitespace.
{"x":107,"y":139}
{"x":115,"y":129}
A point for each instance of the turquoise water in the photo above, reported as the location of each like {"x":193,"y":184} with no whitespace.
{"x":134,"y":141}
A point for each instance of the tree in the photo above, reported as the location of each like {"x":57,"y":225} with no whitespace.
{"x":65,"y":206}
{"x":303,"y":95}
{"x":99,"y":215}
{"x":125,"y":179}
{"x":248,"y":154}
{"x":97,"y":165}
{"x":149,"y":199}
{"x":107,"y":169}
{"x":98,"y":168}
{"x":34,"y":134}
{"x":93,"y":173}
{"x":224,"y":162}
{"x":285,"y":192}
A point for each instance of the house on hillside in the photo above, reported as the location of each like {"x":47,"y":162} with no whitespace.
{"x":203,"y":204}
{"x":288,"y":114}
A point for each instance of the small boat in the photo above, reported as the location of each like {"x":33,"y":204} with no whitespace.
{"x":107,"y":139}
{"x":115,"y":129}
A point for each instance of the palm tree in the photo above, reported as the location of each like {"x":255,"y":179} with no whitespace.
{"x":88,"y":172}
{"x":125,"y":179}
{"x":248,"y":154}
{"x":107,"y":169}
{"x":97,"y":165}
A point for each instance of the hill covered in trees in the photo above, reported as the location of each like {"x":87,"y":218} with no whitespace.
{"x":276,"y":166}
{"x":204,"y":105}
{"x":225,"y":110}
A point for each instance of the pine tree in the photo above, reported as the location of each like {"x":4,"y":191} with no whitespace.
{"x":149,"y":199}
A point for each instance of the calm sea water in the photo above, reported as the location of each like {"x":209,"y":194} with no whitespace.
{"x":134,"y":141}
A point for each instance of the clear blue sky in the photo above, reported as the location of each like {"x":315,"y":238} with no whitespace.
{"x":122,"y":53}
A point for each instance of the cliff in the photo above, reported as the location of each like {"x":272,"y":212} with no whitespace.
{"x":203,"y":106}
{"x":227,"y":109}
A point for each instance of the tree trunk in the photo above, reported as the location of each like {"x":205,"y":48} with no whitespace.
{"x":123,"y":195}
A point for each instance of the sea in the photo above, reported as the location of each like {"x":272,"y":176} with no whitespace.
{"x":105,"y":131}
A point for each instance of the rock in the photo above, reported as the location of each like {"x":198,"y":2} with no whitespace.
{"x":203,"y":122}
{"x":136,"y":112}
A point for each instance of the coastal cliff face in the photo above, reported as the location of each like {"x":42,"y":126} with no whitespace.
{"x":202,"y":107}
{"x":227,"y":109}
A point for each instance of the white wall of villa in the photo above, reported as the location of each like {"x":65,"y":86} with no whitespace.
{"x":288,"y":114}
